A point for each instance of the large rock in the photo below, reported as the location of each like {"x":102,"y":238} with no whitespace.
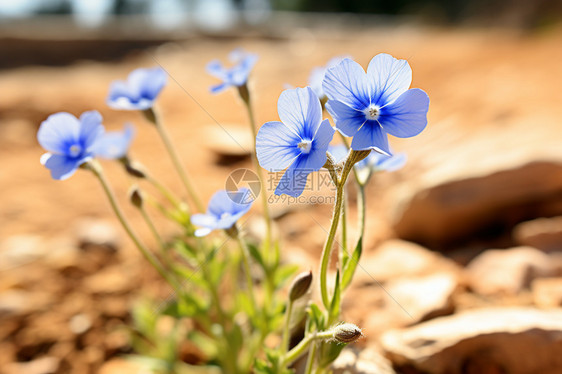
{"x":398,"y":258}
{"x":547,"y":292}
{"x":366,"y":361}
{"x":464,"y":182}
{"x":492,"y":340}
{"x":507,"y":271}
{"x":542,"y":233}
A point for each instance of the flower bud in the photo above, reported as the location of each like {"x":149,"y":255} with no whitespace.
{"x":347,"y":333}
{"x":134,"y":169}
{"x":135,"y":197}
{"x":300,"y":285}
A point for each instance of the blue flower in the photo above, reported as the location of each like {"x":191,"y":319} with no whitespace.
{"x":299,"y":142}
{"x":235,"y":76}
{"x":368,"y":106}
{"x":225,"y":208}
{"x":139,"y":91}
{"x":114,"y":144}
{"x":69,"y":141}
{"x":317,"y":76}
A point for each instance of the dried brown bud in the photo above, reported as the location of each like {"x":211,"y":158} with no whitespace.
{"x":300,"y":285}
{"x":135,"y":196}
{"x":347,"y":333}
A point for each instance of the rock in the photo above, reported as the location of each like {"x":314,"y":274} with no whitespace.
{"x":19,"y":250}
{"x":542,"y":233}
{"x":109,"y":280}
{"x":398,"y":258}
{"x":229,"y":143}
{"x":492,"y":340}
{"x":97,"y":233}
{"x":507,"y":271}
{"x":16,"y":302}
{"x":466,"y":182}
{"x":367,"y":361}
{"x":418,"y":299}
{"x":547,"y":292}
{"x":122,"y":366}
{"x":80,"y":323}
{"x":43,"y":365}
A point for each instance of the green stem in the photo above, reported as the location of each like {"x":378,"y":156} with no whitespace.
{"x":98,"y":172}
{"x":263,"y":191}
{"x":151,"y":115}
{"x":246,"y":263}
{"x":287,"y":328}
{"x":300,"y":348}
{"x":311,"y":359}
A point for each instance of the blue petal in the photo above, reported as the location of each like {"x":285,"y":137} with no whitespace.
{"x":294,"y":180}
{"x":347,"y":120}
{"x":347,"y":82}
{"x":317,"y":156}
{"x":300,"y":110}
{"x":371,"y":136}
{"x":204,"y":220}
{"x":146,"y":83}
{"x":407,"y":116}
{"x":390,"y":78}
{"x":216,"y":69}
{"x":114,"y":144}
{"x":119,"y":89}
{"x":58,"y":131}
{"x":218,"y":88}
{"x":153,"y":82}
{"x":202,"y":232}
{"x":91,"y":128}
{"x":61,"y":167}
{"x":276,"y":146}
{"x":222,"y":202}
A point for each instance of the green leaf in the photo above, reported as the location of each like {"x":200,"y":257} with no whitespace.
{"x":351,"y":264}
{"x":316,"y":316}
{"x":256,"y":255}
{"x":330,"y":351}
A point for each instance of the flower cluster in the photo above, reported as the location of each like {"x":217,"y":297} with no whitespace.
{"x":236,"y":75}
{"x":364,"y":105}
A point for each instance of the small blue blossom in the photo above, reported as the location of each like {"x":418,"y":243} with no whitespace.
{"x":69,"y":141}
{"x":225,"y":208}
{"x":299,"y":142}
{"x":368,"y":106}
{"x":317,"y":76}
{"x":114,"y":144}
{"x":139,"y":91}
{"x":235,"y":76}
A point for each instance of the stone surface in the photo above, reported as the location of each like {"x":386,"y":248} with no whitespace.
{"x":547,"y":292}
{"x":366,"y":361}
{"x":21,"y":249}
{"x":542,"y":233}
{"x":398,"y":258}
{"x":493,"y":340}
{"x":97,"y":233}
{"x":507,"y":271}
{"x":229,"y":140}
{"x":122,"y":366}
{"x":43,"y":365}
{"x":422,"y":298}
{"x":476,"y":184}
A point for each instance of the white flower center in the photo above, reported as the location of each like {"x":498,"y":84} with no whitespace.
{"x":75,"y":150}
{"x":372,"y":112}
{"x":305,"y":146}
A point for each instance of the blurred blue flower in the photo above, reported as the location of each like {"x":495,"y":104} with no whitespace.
{"x":299,"y":142}
{"x":368,"y":106}
{"x":235,"y":76}
{"x":139,"y":91}
{"x":375,"y":162}
{"x":69,"y":141}
{"x":225,"y":208}
{"x":114,"y":144}
{"x":317,"y":76}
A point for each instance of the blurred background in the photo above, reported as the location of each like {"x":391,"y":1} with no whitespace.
{"x":469,"y":231}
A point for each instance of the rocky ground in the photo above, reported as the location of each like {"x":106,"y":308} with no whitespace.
{"x":462,"y":266}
